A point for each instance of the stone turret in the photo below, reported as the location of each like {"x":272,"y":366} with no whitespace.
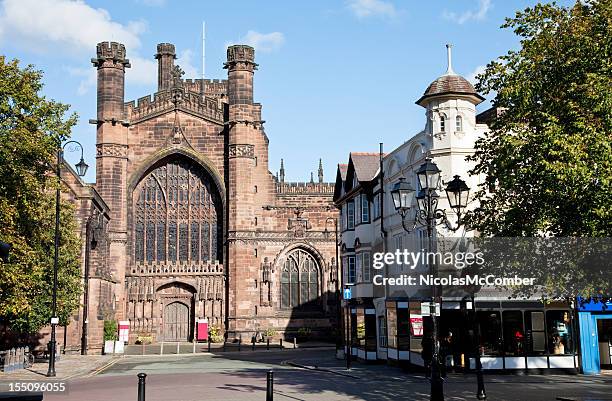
{"x":111,"y":63}
{"x":166,"y":54}
{"x":241,"y":66}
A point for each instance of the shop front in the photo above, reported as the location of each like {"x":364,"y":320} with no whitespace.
{"x":510,"y":335}
{"x":525,"y":335}
{"x":595,"y":320}
{"x":363,"y":332}
{"x":404,"y":331}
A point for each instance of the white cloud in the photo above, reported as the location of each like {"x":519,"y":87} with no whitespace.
{"x":184,"y":60}
{"x":143,"y":71}
{"x":88,"y":78}
{"x":476,"y":15}
{"x":264,"y":42}
{"x":369,"y":8}
{"x":74,"y":25}
{"x":472,"y":76}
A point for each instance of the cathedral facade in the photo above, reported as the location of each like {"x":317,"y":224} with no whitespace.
{"x":196,"y":226}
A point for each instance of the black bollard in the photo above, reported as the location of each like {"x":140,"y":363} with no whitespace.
{"x":270,"y":386}
{"x":141,"y":386}
{"x":224,"y":342}
{"x":253,"y":345}
{"x":239,"y":343}
{"x":281,"y":343}
{"x":209,"y":344}
{"x":268,"y":344}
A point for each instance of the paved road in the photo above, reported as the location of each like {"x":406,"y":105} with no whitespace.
{"x":241,"y":377}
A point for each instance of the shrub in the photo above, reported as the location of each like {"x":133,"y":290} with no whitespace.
{"x":214,"y":333}
{"x":144,"y":339}
{"x":110,"y":330}
{"x":270,"y":332}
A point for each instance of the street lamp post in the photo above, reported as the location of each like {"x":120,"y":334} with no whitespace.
{"x":428,"y":214}
{"x":81,"y":168}
{"x":338,"y":276}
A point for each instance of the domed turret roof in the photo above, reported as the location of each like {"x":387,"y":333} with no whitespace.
{"x":450,"y":84}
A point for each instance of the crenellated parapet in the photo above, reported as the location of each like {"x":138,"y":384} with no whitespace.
{"x":147,"y":107}
{"x":110,"y":54}
{"x":305,"y":188}
{"x":216,"y":88}
{"x":240,"y":57}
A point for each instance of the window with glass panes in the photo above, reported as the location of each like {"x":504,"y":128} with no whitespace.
{"x":177,"y":215}
{"x":299,"y":280}
{"x":366,"y":266}
{"x":365,"y":209}
{"x":352,"y":269}
{"x":350,"y":215}
{"x":376,"y":206}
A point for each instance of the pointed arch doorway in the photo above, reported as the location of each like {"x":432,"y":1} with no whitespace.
{"x":177,"y":308}
{"x":176,"y":322}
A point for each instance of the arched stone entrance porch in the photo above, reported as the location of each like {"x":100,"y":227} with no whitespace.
{"x":177,"y":304}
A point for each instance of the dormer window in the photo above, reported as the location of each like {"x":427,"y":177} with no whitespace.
{"x":442,"y":124}
{"x":458,"y":124}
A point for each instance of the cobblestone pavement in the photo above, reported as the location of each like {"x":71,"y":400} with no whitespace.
{"x":242,"y":377}
{"x":68,"y":366}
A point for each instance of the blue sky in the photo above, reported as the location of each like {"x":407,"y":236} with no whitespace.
{"x":334,"y":76}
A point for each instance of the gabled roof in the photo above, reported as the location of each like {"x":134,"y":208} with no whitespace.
{"x":364,"y":165}
{"x":340,"y":179}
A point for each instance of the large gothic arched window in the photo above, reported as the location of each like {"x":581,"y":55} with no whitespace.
{"x":177,"y":215}
{"x":299,"y":281}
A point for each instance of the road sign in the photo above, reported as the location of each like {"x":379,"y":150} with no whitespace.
{"x":425,"y":309}
{"x":347,"y":293}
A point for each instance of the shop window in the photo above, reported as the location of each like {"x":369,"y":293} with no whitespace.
{"x":382,"y":331}
{"x":560,"y":333}
{"x":403,"y":329}
{"x":535,"y":333}
{"x":514,"y":333}
{"x":360,"y":329}
{"x":416,"y":326}
{"x":370,"y":332}
{"x":490,"y":332}
{"x":392,"y":326}
{"x":354,"y":330}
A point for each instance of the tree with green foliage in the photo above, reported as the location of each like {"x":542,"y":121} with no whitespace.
{"x":548,"y":157}
{"x":31,"y":128}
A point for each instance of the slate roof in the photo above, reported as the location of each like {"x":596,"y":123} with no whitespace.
{"x":365,"y":164}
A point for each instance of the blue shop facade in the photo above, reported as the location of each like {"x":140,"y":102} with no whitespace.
{"x":595,"y":323}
